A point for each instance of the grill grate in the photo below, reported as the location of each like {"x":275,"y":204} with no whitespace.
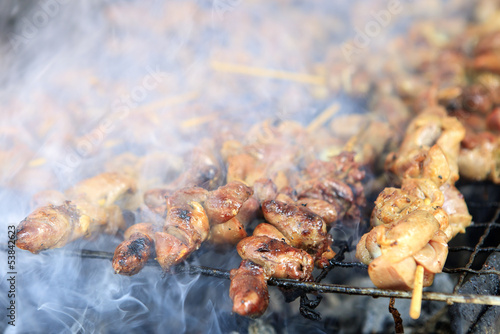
{"x":467,"y":269}
{"x":458,"y":250}
{"x":316,"y":286}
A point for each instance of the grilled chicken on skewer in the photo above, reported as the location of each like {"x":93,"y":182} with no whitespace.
{"x":133,"y":253}
{"x":305,"y":229}
{"x":185,"y":228}
{"x":248,"y":289}
{"x":265,"y":254}
{"x":413,"y":224}
{"x":90,"y":207}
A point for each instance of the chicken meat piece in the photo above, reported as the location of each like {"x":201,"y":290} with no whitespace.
{"x":433,"y":255}
{"x":338,"y":182}
{"x":52,"y":227}
{"x":225,"y":202}
{"x":341,"y":167}
{"x":203,"y":168}
{"x":156,"y":200}
{"x":103,"y":189}
{"x":228,"y":233}
{"x":187,"y":195}
{"x":407,"y":236}
{"x":479,"y":157}
{"x":395,"y":276}
{"x":277,"y":258}
{"x":268,"y":230}
{"x":265,"y":190}
{"x":132,"y":254}
{"x":322,"y":208}
{"x":305,"y":229}
{"x":232,"y":231}
{"x":185,"y":228}
{"x":456,"y":209}
{"x":335,"y":192}
{"x":398,"y":272}
{"x":431,"y":127}
{"x":248,"y":290}
{"x":159,"y":200}
{"x":83,"y":213}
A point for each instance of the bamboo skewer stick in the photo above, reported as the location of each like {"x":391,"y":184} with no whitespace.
{"x":416,"y":299}
{"x":268,"y":73}
{"x":323,"y":117}
{"x":168,"y":101}
{"x":195,"y":121}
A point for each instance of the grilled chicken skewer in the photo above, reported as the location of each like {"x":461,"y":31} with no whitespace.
{"x":265,"y":254}
{"x":185,"y":228}
{"x":413,"y":224}
{"x":194,"y":215}
{"x":296,"y":235}
{"x":86,"y":208}
{"x":133,"y":253}
{"x":248,"y":289}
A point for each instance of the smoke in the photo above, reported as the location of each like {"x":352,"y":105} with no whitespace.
{"x":83,"y":82}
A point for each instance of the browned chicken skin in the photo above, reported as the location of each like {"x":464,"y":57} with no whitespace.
{"x":90,"y":208}
{"x":277,"y":258}
{"x":156,"y":200}
{"x":185,"y":228}
{"x":225,"y":202}
{"x":305,"y":229}
{"x":133,"y":253}
{"x":248,"y":290}
{"x":338,"y":182}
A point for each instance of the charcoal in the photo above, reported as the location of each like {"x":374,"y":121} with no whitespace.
{"x":472,"y":318}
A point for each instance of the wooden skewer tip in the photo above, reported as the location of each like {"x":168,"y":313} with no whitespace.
{"x":416,"y":299}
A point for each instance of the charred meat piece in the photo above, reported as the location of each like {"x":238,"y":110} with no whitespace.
{"x":185,"y":228}
{"x":225,"y":202}
{"x":52,"y":227}
{"x":264,"y":189}
{"x":205,"y":170}
{"x":335,"y":192}
{"x":305,"y":229}
{"x":156,"y":200}
{"x":268,"y":230}
{"x":322,"y":208}
{"x":248,"y":290}
{"x":90,"y":208}
{"x":133,"y":253}
{"x":277,"y":258}
{"x":187,"y":195}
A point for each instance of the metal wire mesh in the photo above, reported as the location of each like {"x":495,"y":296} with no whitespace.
{"x":308,"y":287}
{"x":301,"y":289}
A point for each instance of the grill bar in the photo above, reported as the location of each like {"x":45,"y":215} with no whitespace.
{"x":375,"y":292}
{"x":445,"y":270}
{"x":312,"y":287}
{"x":471,"y":249}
